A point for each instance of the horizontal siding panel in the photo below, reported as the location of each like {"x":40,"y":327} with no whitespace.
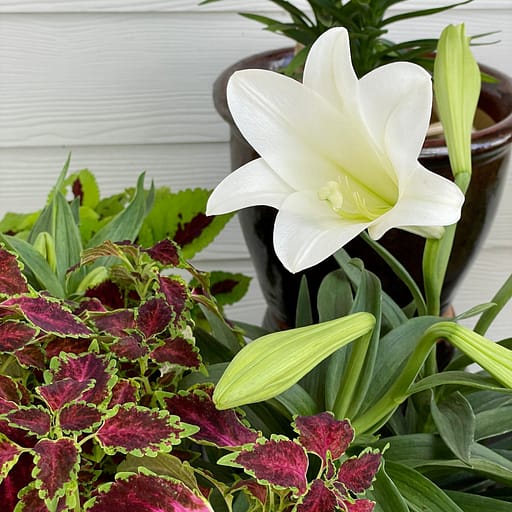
{"x":193,"y":5}
{"x":105,"y":79}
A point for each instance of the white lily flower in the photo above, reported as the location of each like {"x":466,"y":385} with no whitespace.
{"x":338,"y":155}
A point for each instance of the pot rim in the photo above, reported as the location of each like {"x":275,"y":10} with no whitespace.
{"x":486,"y":139}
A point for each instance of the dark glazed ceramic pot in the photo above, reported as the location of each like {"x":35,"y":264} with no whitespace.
{"x":490,"y":155}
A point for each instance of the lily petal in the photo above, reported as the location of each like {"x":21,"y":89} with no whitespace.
{"x":428,"y":200}
{"x":253,"y":184}
{"x":307,"y":231}
{"x":328,"y":69}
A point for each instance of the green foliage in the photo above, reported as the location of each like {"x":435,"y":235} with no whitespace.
{"x":367,"y":23}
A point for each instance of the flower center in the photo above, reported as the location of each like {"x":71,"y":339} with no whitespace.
{"x":353,"y":202}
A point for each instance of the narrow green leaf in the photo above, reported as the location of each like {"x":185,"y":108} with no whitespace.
{"x":494,"y":422}
{"x":386,"y":494}
{"x":304,"y":313}
{"x":297,"y":402}
{"x":455,"y":421}
{"x":127,"y":223}
{"x":334,"y":296}
{"x":37,"y":265}
{"x":503,"y":295}
{"x":419,"y":490}
{"x":476,"y":503}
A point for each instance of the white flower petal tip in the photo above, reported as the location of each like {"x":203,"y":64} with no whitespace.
{"x":338,"y":154}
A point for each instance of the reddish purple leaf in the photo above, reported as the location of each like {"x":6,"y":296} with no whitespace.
{"x":282,"y":463}
{"x":221,"y":428}
{"x":14,"y":335}
{"x":63,"y":391}
{"x":148,"y":493}
{"x":191,"y":230}
{"x":318,"y":499}
{"x":89,"y":304}
{"x":56,"y":464}
{"x":323,"y":433}
{"x":357,"y":474}
{"x":177,"y":351}
{"x":175,"y":293}
{"x":49,"y":315}
{"x":123,"y":392}
{"x":79,"y":417}
{"x":9,"y":389}
{"x":18,"y":478}
{"x":130,"y":348}
{"x":139,"y":430}
{"x":6,"y":406}
{"x":12,"y":281}
{"x":33,"y":419}
{"x":153,"y":317}
{"x":9,"y":453}
{"x":83,"y":368}
{"x":31,"y":356}
{"x":359,"y":506}
{"x":165,"y":252}
{"x":108,"y":293}
{"x":254,"y":488}
{"x":69,"y":345}
{"x":117,"y":323}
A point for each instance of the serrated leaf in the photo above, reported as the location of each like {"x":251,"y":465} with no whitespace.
{"x":49,"y":315}
{"x":84,"y":186}
{"x":153,"y":316}
{"x":14,"y":335}
{"x":455,"y":421}
{"x":56,"y":464}
{"x":10,"y":389}
{"x":165,"y":252}
{"x":279,"y":462}
{"x":12,"y":281}
{"x":318,"y":499}
{"x":79,"y":417}
{"x":35,"y":419}
{"x":124,"y":391}
{"x":130,"y":348}
{"x":175,"y":292}
{"x":131,"y":492}
{"x":9,"y":455}
{"x":358,"y":473}
{"x":180,"y":217}
{"x":177,"y":351}
{"x":64,"y":391}
{"x":324,"y":435}
{"x":228,"y":288}
{"x":31,"y":356}
{"x":220,"y":428}
{"x":83,"y":368}
{"x":116,"y":323}
{"x":139,"y":430}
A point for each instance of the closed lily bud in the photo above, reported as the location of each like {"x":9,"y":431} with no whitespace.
{"x":44,"y":244}
{"x":271,"y":364}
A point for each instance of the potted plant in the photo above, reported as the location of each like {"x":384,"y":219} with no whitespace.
{"x":367,"y":24}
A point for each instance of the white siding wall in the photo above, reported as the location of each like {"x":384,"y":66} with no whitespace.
{"x":126,"y":86}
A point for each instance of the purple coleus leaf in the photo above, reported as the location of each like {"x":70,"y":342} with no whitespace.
{"x":175,"y":292}
{"x":12,"y":281}
{"x":56,"y":464}
{"x":64,"y":391}
{"x":280,"y":462}
{"x":318,"y":499}
{"x":357,"y":474}
{"x":56,"y":345}
{"x":79,"y":417}
{"x":139,"y":430}
{"x":117,"y":323}
{"x":10,"y":390}
{"x":148,"y":493}
{"x":177,"y":351}
{"x":83,"y":368}
{"x":254,"y":488}
{"x":108,"y":293}
{"x":323,"y":434}
{"x":31,"y":356}
{"x":189,"y":231}
{"x":359,"y":505}
{"x":14,"y":335}
{"x":18,"y":478}
{"x":9,"y":454}
{"x":130,"y":348}
{"x":153,"y":317}
{"x":165,"y":252}
{"x":123,"y":392}
{"x":34,"y":419}
{"x":221,"y":428}
{"x":49,"y":315}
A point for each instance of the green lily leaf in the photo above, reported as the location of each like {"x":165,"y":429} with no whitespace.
{"x":386,"y":494}
{"x":419,"y":490}
{"x":476,"y":503}
{"x":493,"y":422}
{"x":455,"y":421}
